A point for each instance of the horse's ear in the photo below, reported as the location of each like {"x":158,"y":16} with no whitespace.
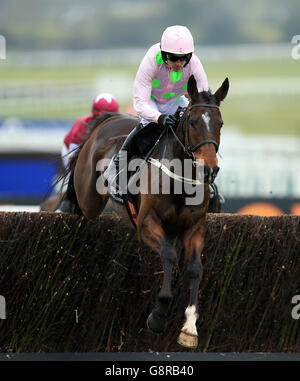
{"x":192,"y":88}
{"x":221,"y":93}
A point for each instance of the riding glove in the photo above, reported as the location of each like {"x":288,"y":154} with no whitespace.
{"x":167,"y":120}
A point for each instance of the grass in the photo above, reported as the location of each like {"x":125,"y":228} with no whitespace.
{"x":278,"y":115}
{"x":65,"y":75}
{"x":273,"y":108}
{"x":252,"y":68}
{"x":263,"y":96}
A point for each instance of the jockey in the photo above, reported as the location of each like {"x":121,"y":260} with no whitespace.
{"x":80,"y":129}
{"x":160,"y":87}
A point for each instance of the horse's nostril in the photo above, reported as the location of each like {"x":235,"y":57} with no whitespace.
{"x":210,"y":173}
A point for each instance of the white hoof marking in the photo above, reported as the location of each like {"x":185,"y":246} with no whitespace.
{"x":190,"y":323}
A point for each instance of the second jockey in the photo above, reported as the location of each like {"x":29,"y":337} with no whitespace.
{"x":76,"y":136}
{"x":80,"y":129}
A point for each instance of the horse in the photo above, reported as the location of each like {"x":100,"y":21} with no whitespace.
{"x":161,"y":217}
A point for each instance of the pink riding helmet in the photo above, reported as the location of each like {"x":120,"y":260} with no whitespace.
{"x":104,"y":102}
{"x":177,"y":39}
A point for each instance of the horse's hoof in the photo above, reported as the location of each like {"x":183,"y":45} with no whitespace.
{"x":155,"y":324}
{"x":187,"y":340}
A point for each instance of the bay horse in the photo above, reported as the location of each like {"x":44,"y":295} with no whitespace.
{"x":162,"y":217}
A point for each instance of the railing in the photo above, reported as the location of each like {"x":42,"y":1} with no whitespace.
{"x":260,"y":166}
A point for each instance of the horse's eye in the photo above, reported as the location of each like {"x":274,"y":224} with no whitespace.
{"x":221,"y":123}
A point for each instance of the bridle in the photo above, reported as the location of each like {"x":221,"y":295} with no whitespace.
{"x":190,"y":150}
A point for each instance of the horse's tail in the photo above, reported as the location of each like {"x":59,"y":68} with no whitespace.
{"x":69,"y":201}
{"x":63,"y":183}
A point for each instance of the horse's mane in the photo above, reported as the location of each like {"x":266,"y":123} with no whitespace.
{"x":207,"y":96}
{"x":95,"y":123}
{"x":99,"y":119}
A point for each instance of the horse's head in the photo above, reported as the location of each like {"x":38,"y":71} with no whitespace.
{"x":204,"y":122}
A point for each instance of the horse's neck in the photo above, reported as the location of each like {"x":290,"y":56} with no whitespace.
{"x":177,"y":149}
{"x":170,"y":148}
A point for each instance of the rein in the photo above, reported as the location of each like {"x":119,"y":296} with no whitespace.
{"x":191,"y":150}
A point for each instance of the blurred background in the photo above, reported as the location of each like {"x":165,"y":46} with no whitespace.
{"x":57,"y":55}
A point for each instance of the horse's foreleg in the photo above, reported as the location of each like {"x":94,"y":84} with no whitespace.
{"x":157,"y":319}
{"x":153,"y":235}
{"x":193,"y":247}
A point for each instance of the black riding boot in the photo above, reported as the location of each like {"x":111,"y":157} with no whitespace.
{"x":120,"y":161}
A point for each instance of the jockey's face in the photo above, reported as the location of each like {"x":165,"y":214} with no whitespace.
{"x":176,"y":64}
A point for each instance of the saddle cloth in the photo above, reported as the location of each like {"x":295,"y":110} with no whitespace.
{"x":128,"y":200}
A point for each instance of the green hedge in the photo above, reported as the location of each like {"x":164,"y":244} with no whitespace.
{"x":73,"y":285}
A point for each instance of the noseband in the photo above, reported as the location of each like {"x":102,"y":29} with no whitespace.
{"x":191,"y":149}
